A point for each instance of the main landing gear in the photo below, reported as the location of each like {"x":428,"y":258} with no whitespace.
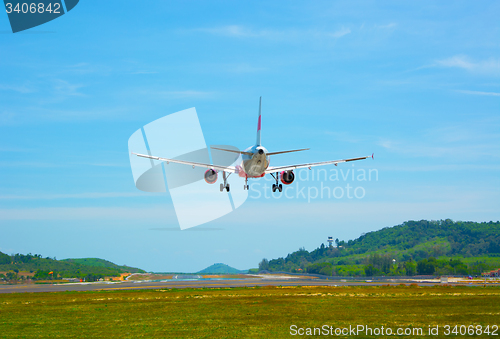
{"x":277,"y":186}
{"x":245,"y":187}
{"x":225,"y":185}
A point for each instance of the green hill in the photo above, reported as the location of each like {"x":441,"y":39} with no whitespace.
{"x":89,"y":269}
{"x":96,"y":262}
{"x":414,"y":247}
{"x":221,"y":269}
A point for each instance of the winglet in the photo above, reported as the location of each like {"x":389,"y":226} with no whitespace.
{"x":372,"y":155}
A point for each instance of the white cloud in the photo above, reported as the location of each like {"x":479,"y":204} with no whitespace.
{"x":490,"y":66}
{"x":495,"y":94}
{"x":459,"y":61}
{"x":438,"y":148}
{"x":90,"y":195}
{"x":439,"y":167}
{"x":340,"y":33}
{"x":28,"y":164}
{"x":7,"y":117}
{"x":83,"y":68}
{"x":64,"y":88}
{"x":344,"y":136}
{"x":233,"y":31}
{"x":191,"y":94}
{"x":469,"y":141}
{"x":36,"y":114}
{"x":287,"y":34}
{"x":24,"y":89}
{"x":387,"y":26}
{"x":100,"y":164}
{"x":221,"y":251}
{"x":192,"y":229}
{"x":151,"y":215}
{"x":365,"y":216}
{"x":242,"y":68}
{"x":15,"y":149}
{"x":144,"y":72}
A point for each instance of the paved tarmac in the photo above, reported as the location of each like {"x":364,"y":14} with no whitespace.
{"x":129,"y":285}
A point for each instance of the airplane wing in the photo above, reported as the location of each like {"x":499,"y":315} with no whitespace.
{"x":313,"y":164}
{"x":231,"y":169}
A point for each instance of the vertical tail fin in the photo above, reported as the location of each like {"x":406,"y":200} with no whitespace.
{"x":259,"y":123}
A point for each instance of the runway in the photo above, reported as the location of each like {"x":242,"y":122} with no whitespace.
{"x":129,"y":285}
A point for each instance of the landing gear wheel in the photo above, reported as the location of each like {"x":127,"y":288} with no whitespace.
{"x":276,"y":186}
{"x":247,"y":187}
{"x":225,"y":185}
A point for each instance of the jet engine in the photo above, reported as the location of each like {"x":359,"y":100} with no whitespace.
{"x":210,"y":176}
{"x":287,"y":177}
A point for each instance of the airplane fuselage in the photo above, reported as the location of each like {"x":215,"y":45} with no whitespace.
{"x":254,"y":166}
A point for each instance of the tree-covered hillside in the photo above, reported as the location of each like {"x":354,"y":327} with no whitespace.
{"x":407,"y":249}
{"x":220,"y":269}
{"x":460,"y":238}
{"x":50,"y":268}
{"x":96,"y":262}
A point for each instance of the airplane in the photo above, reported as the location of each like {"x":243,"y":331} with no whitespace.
{"x":255,"y":164}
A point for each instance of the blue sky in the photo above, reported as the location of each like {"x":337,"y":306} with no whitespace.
{"x":418,"y":84}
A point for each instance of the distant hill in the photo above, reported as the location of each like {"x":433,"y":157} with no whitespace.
{"x":451,"y":247}
{"x":89,"y":269}
{"x":96,"y":262}
{"x":221,"y":269}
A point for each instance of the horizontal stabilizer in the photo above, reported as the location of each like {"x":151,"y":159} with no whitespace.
{"x":294,"y":150}
{"x":232,"y":151}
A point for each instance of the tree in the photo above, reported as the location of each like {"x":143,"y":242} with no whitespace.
{"x":4,"y":259}
{"x":410,"y":268}
{"x":11,"y":276}
{"x":426,"y":267}
{"x":264,"y":265}
{"x":324,"y":268}
{"x":41,"y":275}
{"x":371,"y":271}
{"x":327,"y":270}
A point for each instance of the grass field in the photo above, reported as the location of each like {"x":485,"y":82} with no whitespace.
{"x":265,"y":312}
